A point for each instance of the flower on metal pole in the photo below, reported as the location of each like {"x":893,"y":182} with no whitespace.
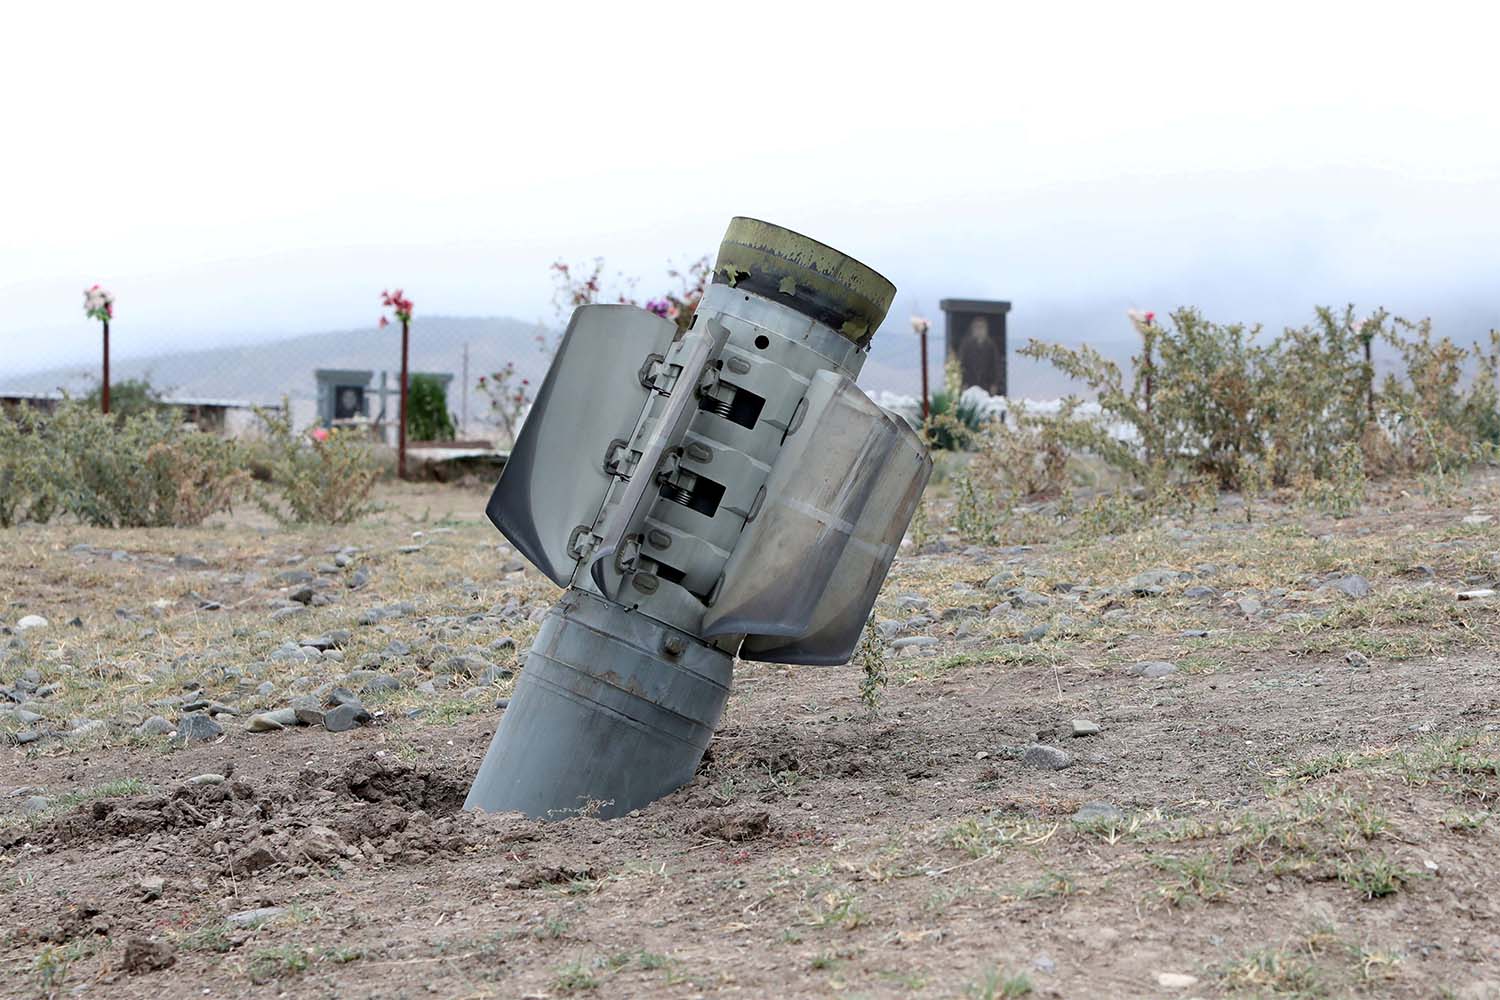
{"x":99,"y":304}
{"x":400,"y":305}
{"x":920,"y":325}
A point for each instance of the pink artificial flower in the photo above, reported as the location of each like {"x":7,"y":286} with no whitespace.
{"x":320,"y":434}
{"x":384,"y":321}
{"x":1150,"y":318}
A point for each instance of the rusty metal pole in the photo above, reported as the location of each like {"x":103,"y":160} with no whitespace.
{"x":401,"y":431}
{"x":926,"y":409}
{"x":104,"y":392}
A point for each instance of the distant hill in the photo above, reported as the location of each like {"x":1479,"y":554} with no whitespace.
{"x":264,"y":372}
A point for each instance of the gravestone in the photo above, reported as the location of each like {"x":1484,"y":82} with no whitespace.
{"x":342,"y":395}
{"x":975,"y":335}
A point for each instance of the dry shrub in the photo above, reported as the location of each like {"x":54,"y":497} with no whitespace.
{"x":147,"y":470}
{"x":312,"y":480}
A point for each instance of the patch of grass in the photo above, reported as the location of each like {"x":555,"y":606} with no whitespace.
{"x":211,"y":937}
{"x":1197,"y":877}
{"x":277,"y":962}
{"x":997,"y":984}
{"x":1374,"y":875}
{"x":838,"y":909}
{"x":1274,"y":972}
{"x":575,"y":977}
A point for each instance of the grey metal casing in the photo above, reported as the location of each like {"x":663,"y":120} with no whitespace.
{"x":808,"y":568}
{"x":555,"y":478}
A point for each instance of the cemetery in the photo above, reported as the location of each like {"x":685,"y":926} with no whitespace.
{"x":1100,"y":711}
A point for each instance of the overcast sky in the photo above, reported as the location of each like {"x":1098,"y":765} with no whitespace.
{"x":246,"y":171}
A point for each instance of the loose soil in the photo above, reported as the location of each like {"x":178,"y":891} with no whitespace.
{"x":1305,"y":807}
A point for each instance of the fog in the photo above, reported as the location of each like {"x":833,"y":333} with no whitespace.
{"x":236,"y":178}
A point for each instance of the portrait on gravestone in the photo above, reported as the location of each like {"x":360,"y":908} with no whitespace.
{"x":979,"y":357}
{"x":349,"y":402}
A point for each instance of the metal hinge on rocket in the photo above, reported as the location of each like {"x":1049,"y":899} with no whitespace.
{"x":725,"y":491}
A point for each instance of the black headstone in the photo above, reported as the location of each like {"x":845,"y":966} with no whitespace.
{"x":975,"y":334}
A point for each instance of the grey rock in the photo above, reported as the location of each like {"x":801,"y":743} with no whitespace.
{"x":342,"y":696}
{"x":282,"y":614}
{"x":1199,"y":592}
{"x":266,"y":689}
{"x":1152,"y":668}
{"x":396,"y":648}
{"x":346,"y":717}
{"x":26,"y":736}
{"x":1044,"y":963}
{"x":466,"y":665}
{"x":155,"y":726}
{"x":1248,"y":606}
{"x":1035,"y":633}
{"x":1029,"y":599}
{"x":84,"y":727}
{"x":255,"y":917}
{"x":914,"y":641}
{"x":1085,"y":727}
{"x":1047,"y":758}
{"x":1156,"y":579}
{"x":294,"y":577}
{"x":197,"y":727}
{"x":381,"y":684}
{"x":1091,"y":812}
{"x":35,"y":804}
{"x":302,"y":595}
{"x":358,"y":579}
{"x":188,"y":561}
{"x":1353,"y":585}
{"x":205,"y":779}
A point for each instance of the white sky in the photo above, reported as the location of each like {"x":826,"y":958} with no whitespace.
{"x":238,"y":171}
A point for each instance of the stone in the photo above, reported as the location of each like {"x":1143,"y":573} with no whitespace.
{"x":1199,"y":592}
{"x":263,"y":722}
{"x":1353,"y":585}
{"x":197,"y":727}
{"x":151,"y":887}
{"x":256,"y":917}
{"x":1029,"y":599}
{"x":1044,"y":963}
{"x":346,"y":717}
{"x":186,"y":560}
{"x":35,"y":804}
{"x":29,"y":622}
{"x":206,"y":779}
{"x":1175,"y":980}
{"x":381,"y":684}
{"x":1085,"y":727}
{"x":1152,"y":669}
{"x":155,"y":726}
{"x":282,"y":614}
{"x":1248,"y":606}
{"x":145,"y":955}
{"x":467,"y":665}
{"x":342,"y":696}
{"x":84,"y":727}
{"x":917,"y":641}
{"x":1153,"y":582}
{"x":395,"y":648}
{"x":1094,"y":812}
{"x":1047,"y":758}
{"x":26,"y":736}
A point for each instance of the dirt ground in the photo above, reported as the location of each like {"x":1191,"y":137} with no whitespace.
{"x":1291,"y":791}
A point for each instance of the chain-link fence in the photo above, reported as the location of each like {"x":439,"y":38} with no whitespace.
{"x":339,"y":377}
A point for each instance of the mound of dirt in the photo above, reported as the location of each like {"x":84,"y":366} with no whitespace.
{"x":370,"y":811}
